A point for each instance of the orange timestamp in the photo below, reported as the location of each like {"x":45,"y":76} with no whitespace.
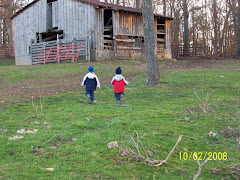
{"x":203,"y":155}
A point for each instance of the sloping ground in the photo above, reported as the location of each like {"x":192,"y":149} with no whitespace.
{"x":45,"y":86}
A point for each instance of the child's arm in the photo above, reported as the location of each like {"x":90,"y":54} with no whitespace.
{"x":84,"y":80}
{"x":113,"y":81}
{"x":125,"y":81}
{"x":98,"y":83}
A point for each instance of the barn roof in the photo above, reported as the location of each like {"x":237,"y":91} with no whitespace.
{"x":99,"y":4}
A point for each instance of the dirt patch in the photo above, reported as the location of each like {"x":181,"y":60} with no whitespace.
{"x":72,"y":82}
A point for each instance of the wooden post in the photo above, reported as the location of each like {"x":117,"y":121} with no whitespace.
{"x":168,"y":52}
{"x":30,"y":50}
{"x":74,"y":41}
{"x":58,"y":44}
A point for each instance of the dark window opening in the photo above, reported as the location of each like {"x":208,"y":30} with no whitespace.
{"x":49,"y":36}
{"x":161,"y":31}
{"x":160,"y":21}
{"x":50,"y":1}
{"x":161,"y":36}
{"x":108,"y":28}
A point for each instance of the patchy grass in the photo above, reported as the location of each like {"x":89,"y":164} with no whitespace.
{"x":73,"y":137}
{"x":7,"y":62}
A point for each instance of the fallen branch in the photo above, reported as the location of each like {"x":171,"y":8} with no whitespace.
{"x":172,"y":151}
{"x":199,"y":166}
{"x":138,"y":151}
{"x":51,"y":139}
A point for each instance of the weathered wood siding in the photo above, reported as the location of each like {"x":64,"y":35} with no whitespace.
{"x":99,"y":28}
{"x":27,"y":24}
{"x":75,"y":18}
{"x":127,"y":24}
{"x":168,"y":52}
{"x":55,"y":14}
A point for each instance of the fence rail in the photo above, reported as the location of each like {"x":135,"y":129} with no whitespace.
{"x":60,"y":53}
{"x":37,"y":48}
{"x":7,"y":50}
{"x":192,"y":50}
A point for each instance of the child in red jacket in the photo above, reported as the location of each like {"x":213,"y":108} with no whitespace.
{"x":119,"y":82}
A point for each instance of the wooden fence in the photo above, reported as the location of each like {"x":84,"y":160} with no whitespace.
{"x":7,"y":50}
{"x":192,"y":50}
{"x":36,"y":48}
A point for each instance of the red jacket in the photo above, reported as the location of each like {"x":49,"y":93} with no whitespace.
{"x":119,"y":82}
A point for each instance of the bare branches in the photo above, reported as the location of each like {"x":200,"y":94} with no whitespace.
{"x":234,"y":170}
{"x":199,"y":166}
{"x":204,"y":101}
{"x":136,"y":149}
{"x":35,"y":107}
{"x":50,"y":139}
{"x":172,"y":151}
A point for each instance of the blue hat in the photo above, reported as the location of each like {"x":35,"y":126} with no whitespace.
{"x":90,"y":69}
{"x":118,"y":70}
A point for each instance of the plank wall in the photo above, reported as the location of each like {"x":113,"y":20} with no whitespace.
{"x":125,"y":23}
{"x":27,"y":24}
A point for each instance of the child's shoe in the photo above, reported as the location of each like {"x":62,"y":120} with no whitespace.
{"x":119,"y":103}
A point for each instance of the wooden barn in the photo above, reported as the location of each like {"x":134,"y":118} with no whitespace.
{"x":105,"y":30}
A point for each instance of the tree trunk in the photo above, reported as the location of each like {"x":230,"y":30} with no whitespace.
{"x":221,"y":42}
{"x":10,"y":30}
{"x":193,"y":27}
{"x":164,"y":7}
{"x":215,"y":28}
{"x":153,"y":74}
{"x":238,"y":39}
{"x":186,"y":29}
{"x":138,"y":4}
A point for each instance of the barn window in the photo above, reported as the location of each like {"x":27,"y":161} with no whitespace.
{"x":108,"y":28}
{"x":50,"y":1}
{"x":49,"y":36}
{"x":160,"y":31}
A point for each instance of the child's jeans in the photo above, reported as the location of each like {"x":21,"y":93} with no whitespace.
{"x":118,"y":96}
{"x":91,"y":94}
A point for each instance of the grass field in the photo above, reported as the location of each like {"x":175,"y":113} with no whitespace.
{"x":72,"y":137}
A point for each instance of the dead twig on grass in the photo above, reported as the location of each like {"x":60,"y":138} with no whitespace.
{"x":41,"y":103}
{"x":35,"y":107}
{"x":172,"y":151}
{"x":137,"y":150}
{"x":50,"y":139}
{"x":234,"y":170}
{"x":204,"y":101}
{"x":199,"y":166}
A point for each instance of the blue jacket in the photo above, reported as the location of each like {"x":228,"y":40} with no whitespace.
{"x":91,"y":81}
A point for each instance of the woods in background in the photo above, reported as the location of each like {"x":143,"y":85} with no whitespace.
{"x":214,"y":24}
{"x":7,"y":9}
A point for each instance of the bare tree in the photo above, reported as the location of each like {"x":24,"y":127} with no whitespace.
{"x":138,"y":4}
{"x":186,"y":28}
{"x":10,"y":29}
{"x":8,"y":8}
{"x":238,"y":35}
{"x":153,"y":74}
{"x":164,"y":8}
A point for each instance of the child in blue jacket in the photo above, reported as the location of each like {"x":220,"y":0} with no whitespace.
{"x":91,"y":81}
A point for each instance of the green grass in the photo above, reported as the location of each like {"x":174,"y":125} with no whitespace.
{"x":8,"y":62}
{"x":159,"y":114}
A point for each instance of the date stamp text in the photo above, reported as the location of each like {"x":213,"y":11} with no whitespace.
{"x":203,"y":155}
